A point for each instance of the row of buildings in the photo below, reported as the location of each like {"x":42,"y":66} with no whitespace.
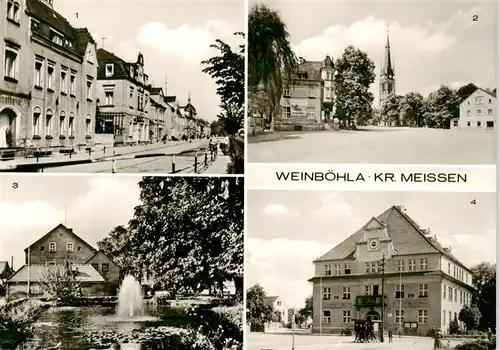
{"x":57,"y":89}
{"x":393,"y":269}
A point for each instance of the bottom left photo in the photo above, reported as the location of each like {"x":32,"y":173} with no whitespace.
{"x":121,"y":262}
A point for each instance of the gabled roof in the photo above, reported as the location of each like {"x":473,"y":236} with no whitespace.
{"x":270,"y":300}
{"x":491,"y":93}
{"x":327,"y":62}
{"x":68,"y":230}
{"x":407,"y":238}
{"x":311,"y":69}
{"x":97,"y":253}
{"x":85,"y":273}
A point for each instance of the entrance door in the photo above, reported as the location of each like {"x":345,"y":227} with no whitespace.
{"x":7,"y":125}
{"x":375,"y":290}
{"x":372,"y":316}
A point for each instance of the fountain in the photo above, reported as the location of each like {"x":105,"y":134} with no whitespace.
{"x":130,"y":301}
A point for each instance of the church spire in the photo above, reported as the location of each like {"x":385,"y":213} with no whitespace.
{"x":189,"y":97}
{"x":387,"y":68}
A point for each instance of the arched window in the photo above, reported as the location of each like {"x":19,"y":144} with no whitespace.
{"x":48,"y":122}
{"x":88,"y":125}
{"x":62,"y":123}
{"x":37,"y":112}
{"x":71,"y":124}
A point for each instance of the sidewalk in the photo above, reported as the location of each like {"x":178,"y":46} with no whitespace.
{"x":219,"y":166}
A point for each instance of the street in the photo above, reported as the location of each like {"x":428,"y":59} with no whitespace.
{"x":376,"y":145}
{"x":261,"y":341}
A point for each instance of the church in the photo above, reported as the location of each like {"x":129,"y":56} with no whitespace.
{"x":387,"y":82}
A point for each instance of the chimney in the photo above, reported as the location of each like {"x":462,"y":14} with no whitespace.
{"x":401,"y":208}
{"x":12,"y":263}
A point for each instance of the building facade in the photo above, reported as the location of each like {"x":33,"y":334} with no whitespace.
{"x":61,"y":248}
{"x":278,"y":306}
{"x":307,"y":104}
{"x":47,"y":94}
{"x":478,"y":111}
{"x":387,"y":82}
{"x":421,"y":283}
{"x":158,"y":113}
{"x":124,"y":93}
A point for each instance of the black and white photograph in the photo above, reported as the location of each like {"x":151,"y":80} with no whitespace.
{"x":122,"y":87}
{"x":373,"y":82}
{"x":121,"y":262}
{"x":370,"y":270}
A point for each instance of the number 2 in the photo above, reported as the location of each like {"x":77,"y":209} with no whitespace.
{"x":475,"y":18}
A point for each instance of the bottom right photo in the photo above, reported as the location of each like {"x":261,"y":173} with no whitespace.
{"x":371,"y":270}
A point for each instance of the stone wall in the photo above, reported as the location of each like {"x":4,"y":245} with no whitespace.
{"x":298,"y":125}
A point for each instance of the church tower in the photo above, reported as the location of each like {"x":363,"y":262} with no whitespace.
{"x":387,"y":83}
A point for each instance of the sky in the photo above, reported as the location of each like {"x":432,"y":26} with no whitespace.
{"x":91,"y":205}
{"x":173,"y":36}
{"x":287,"y":230}
{"x":433,"y":43}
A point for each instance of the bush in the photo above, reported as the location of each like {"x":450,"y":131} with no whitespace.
{"x":478,"y":345}
{"x":454,"y":327}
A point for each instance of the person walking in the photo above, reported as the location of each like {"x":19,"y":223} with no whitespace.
{"x":437,"y":338}
{"x":389,"y":333}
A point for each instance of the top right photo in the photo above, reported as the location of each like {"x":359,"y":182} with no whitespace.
{"x":372,"y":82}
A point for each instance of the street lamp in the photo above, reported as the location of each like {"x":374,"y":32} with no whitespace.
{"x":382,"y":318}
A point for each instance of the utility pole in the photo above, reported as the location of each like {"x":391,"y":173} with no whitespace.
{"x":382,"y":317}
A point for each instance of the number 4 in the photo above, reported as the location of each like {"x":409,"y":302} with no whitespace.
{"x":473,"y":202}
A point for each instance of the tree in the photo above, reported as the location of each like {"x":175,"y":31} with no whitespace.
{"x":216,"y":128}
{"x":60,"y":283}
{"x":355,"y":73}
{"x":277,"y":316}
{"x":454,"y":327}
{"x":306,"y":312}
{"x":484,"y":279}
{"x":410,"y":107}
{"x":470,"y":316}
{"x":228,"y":71}
{"x":118,"y":246}
{"x":258,"y":312}
{"x":272,"y":64}
{"x":440,"y":107}
{"x":390,"y":112}
{"x":465,"y":91}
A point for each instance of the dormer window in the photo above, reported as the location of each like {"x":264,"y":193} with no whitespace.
{"x":131,"y":72}
{"x":110,"y":69}
{"x":56,"y":38}
{"x":90,"y":55}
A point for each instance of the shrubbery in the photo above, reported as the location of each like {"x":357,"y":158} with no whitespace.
{"x":478,"y":345}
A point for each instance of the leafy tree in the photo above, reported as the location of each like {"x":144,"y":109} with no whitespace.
{"x":228,"y":70}
{"x":355,"y":73}
{"x":454,"y":327}
{"x":258,"y":312}
{"x":272,"y":63}
{"x":117,"y":246}
{"x":484,"y":279}
{"x":391,"y":110}
{"x":470,"y":316}
{"x":440,"y":107}
{"x":306,"y":312}
{"x":60,"y":283}
{"x":277,"y":316}
{"x":410,"y":107}
{"x":216,"y":128}
{"x":465,"y":91}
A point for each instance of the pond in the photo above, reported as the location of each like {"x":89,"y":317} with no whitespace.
{"x":68,"y":325}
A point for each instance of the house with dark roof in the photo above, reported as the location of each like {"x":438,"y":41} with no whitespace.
{"x":47,"y":90}
{"x":124,"y":91}
{"x":478,"y":111}
{"x":61,"y":248}
{"x":392,"y":261}
{"x":307,"y":104}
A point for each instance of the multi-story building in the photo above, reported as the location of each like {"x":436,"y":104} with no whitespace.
{"x":123,"y":90}
{"x":158,"y":113}
{"x":387,"y":82}
{"x":478,"y":111}
{"x":390,"y":260}
{"x":189,"y":112}
{"x":308,"y":102}
{"x":62,"y":248}
{"x":47,"y":90}
{"x":180,"y":124}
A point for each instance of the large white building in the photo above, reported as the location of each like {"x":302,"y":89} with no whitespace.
{"x":478,"y":111}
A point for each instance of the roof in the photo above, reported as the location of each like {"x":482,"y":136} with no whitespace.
{"x":156,"y":91}
{"x":48,"y":18}
{"x":270,"y":300}
{"x":85,"y":273}
{"x":491,"y":93}
{"x":121,"y":68}
{"x":311,"y":69}
{"x":97,"y":253}
{"x":327,"y":62}
{"x":407,"y":238}
{"x":68,"y":230}
{"x":3,"y":265}
{"x":170,"y":98}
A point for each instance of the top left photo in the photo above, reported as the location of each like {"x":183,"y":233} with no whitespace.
{"x":130,"y":87}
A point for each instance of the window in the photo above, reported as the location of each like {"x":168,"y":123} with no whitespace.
{"x":328,"y":270}
{"x":109,"y":98}
{"x":13,"y":10}
{"x":105,"y":269}
{"x":42,"y":248}
{"x":400,"y":315}
{"x":346,"y":316}
{"x":48,"y":122}
{"x":422,"y":316}
{"x":401,"y":265}
{"x":468,"y":112}
{"x":286,"y":92}
{"x":490,"y":111}
{"x":131,"y":72}
{"x":478,"y":123}
{"x":12,"y":63}
{"x":72,"y":84}
{"x":38,"y":73}
{"x":400,"y":291}
{"x":368,"y":290}
{"x":444,"y":292}
{"x":327,"y":293}
{"x":88,"y":125}
{"x":478,"y":111}
{"x":461,"y":297}
{"x":336,"y":269}
{"x":371,"y":267}
{"x":346,"y":293}
{"x":468,"y":123}
{"x":490,"y":124}
{"x":286,"y":112}
{"x":71,"y":124}
{"x":444,"y":317}
{"x":62,"y":124}
{"x":278,"y":303}
{"x":56,"y":38}
{"x":450,"y":294}
{"x":312,"y":92}
{"x":96,"y":267}
{"x":37,"y":112}
{"x":89,"y":89}
{"x":311,"y":113}
{"x":90,"y":55}
{"x":449,"y":269}
{"x":131,"y":91}
{"x":326,"y":316}
{"x":64,"y":80}
{"x":110,"y":69}
{"x":69,"y":247}
{"x":423,"y":290}
{"x":52,"y":246}
{"x":412,"y":265}
{"x":456,"y":295}
{"x":50,"y":77}
{"x":423,"y":264}
{"x":347,"y":269}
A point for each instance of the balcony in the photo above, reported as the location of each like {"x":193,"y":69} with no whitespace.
{"x":367,"y":301}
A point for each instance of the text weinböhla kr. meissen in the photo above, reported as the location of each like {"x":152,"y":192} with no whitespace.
{"x":411,"y":177}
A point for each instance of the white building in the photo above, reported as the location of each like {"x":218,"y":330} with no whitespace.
{"x":478,"y":111}
{"x":278,"y":306}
